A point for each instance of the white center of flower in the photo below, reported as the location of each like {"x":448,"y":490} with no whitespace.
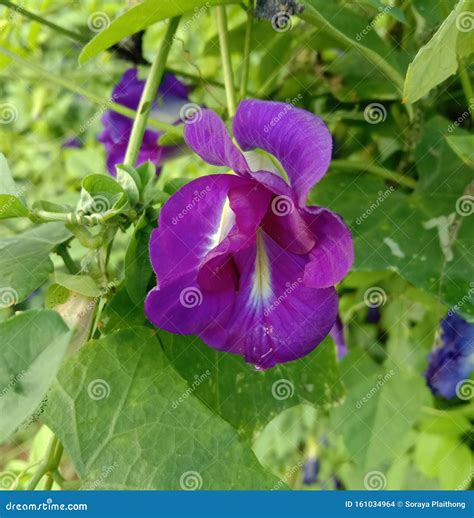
{"x":261,"y":286}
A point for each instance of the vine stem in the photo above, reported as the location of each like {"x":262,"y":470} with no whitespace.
{"x":49,"y":464}
{"x":350,"y":165}
{"x":247,"y":50}
{"x":63,"y":252}
{"x":225,"y":58}
{"x":104,"y":104}
{"x":149,"y":94}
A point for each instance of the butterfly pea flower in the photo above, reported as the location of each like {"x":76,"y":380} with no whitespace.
{"x":450,"y":365}
{"x":241,"y":261}
{"x":172,"y":97}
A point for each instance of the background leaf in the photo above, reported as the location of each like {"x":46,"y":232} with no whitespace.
{"x":33,"y":345}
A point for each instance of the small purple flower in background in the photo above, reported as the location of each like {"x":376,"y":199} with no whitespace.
{"x":240,"y":259}
{"x":453,"y":362}
{"x":337,"y":334}
{"x":173,"y":95}
{"x":311,"y":469}
{"x":72,"y":142}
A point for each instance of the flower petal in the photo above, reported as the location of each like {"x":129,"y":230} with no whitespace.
{"x":333,"y":254}
{"x":298,"y":139}
{"x":275,"y":318}
{"x":208,"y":137}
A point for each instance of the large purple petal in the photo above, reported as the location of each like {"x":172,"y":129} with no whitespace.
{"x":298,"y":139}
{"x":333,"y":254}
{"x":276,"y":318}
{"x":208,"y":137}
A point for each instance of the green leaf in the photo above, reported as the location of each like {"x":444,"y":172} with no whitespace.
{"x":130,"y":181}
{"x":463,"y":147}
{"x":24,"y":261}
{"x":11,"y":203}
{"x":112,"y":408}
{"x":245,"y":397}
{"x":353,"y":31}
{"x":436,"y":61}
{"x":138,"y":269}
{"x":33,"y":345}
{"x":82,"y":284}
{"x":102,"y":195}
{"x":381,"y":407}
{"x":140,"y":17}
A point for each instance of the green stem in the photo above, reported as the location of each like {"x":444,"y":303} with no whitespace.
{"x":247,"y":50}
{"x":149,"y":93}
{"x":63,"y":251}
{"x":225,"y":58}
{"x":349,"y":165}
{"x":50,"y":462}
{"x":21,"y":10}
{"x":105,"y":104}
{"x":466,"y":84}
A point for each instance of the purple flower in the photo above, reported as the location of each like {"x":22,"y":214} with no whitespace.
{"x":337,"y":334}
{"x":453,"y":362}
{"x":117,"y":128}
{"x":72,"y":142}
{"x":240,"y":260}
{"x":311,"y":469}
